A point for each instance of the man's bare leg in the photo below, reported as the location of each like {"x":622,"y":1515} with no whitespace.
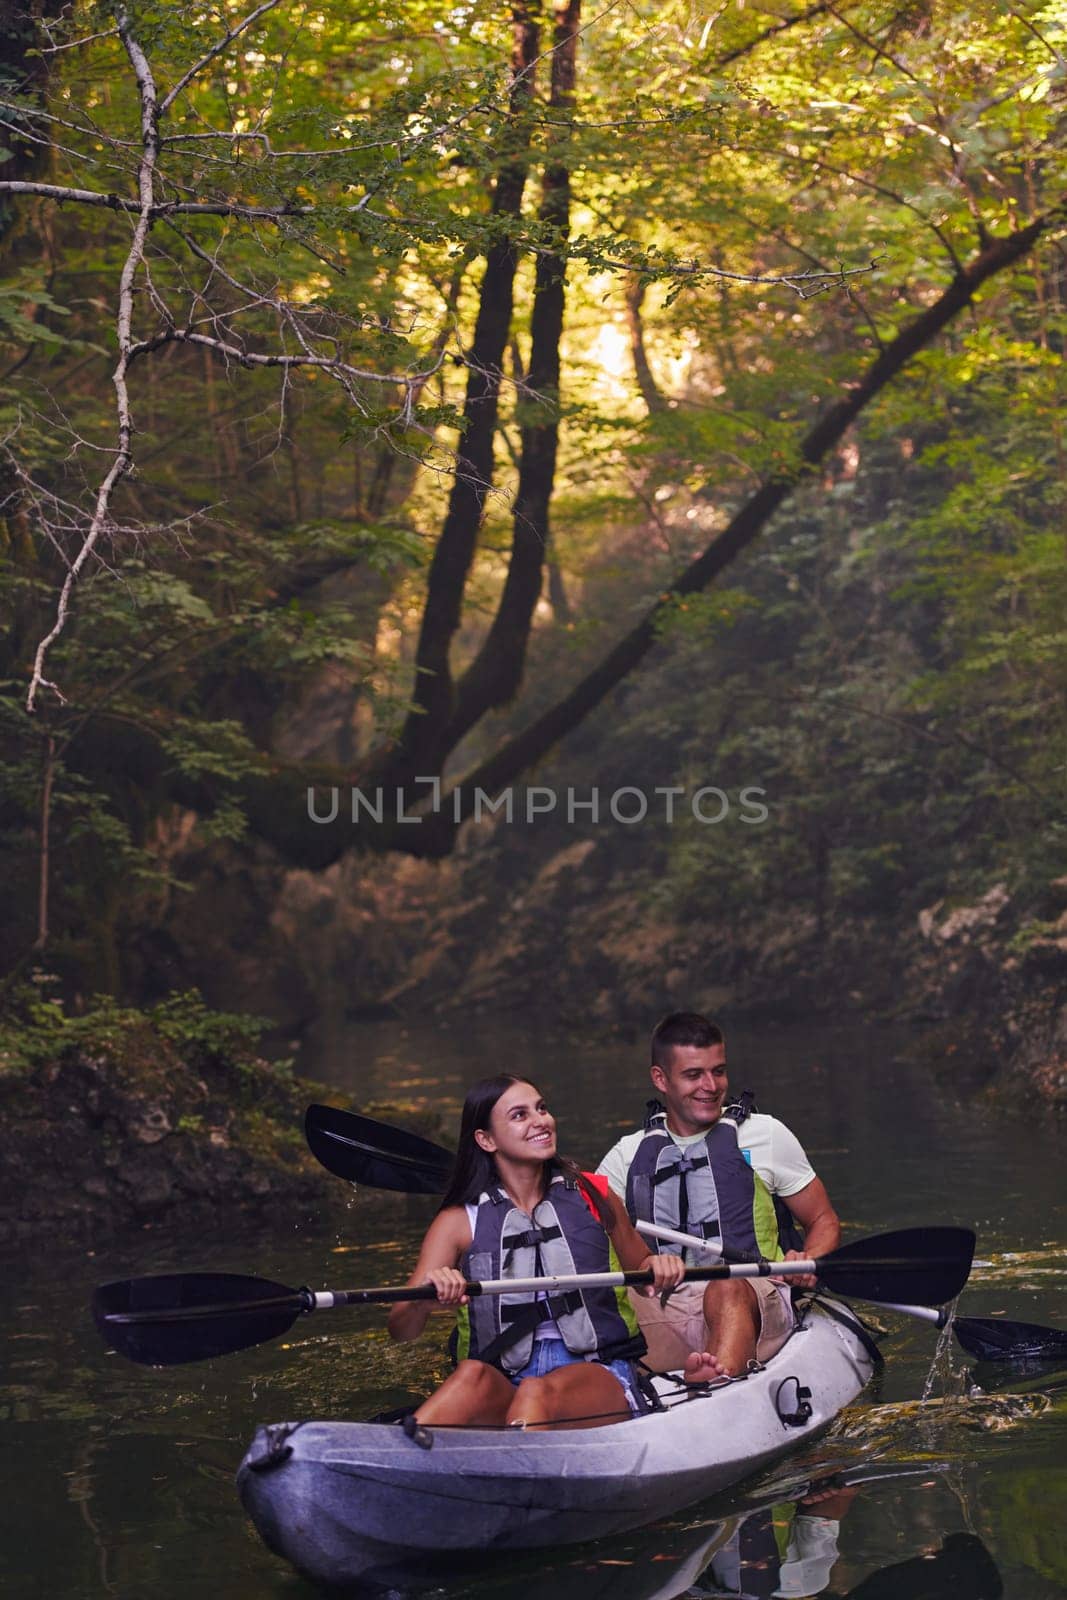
{"x":732,"y":1314}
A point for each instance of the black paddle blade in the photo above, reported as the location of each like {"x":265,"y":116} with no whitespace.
{"x":190,"y":1316}
{"x":987,"y":1340}
{"x":916,"y":1266}
{"x":373,"y":1153}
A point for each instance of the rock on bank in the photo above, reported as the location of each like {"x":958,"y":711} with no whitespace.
{"x":121,"y":1119}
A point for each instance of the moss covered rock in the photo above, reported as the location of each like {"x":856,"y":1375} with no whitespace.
{"x":118,"y":1118}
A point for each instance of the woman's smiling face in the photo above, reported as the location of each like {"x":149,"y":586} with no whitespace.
{"x":521,"y":1127}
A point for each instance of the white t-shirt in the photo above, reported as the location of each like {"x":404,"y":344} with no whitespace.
{"x":766,"y":1144}
{"x":810,"y":1557}
{"x":805,"y":1567}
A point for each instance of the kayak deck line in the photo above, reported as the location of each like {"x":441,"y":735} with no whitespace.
{"x":671,"y":1391}
{"x":345,"y":1502}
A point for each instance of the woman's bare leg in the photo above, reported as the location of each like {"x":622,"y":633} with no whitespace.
{"x":474,"y":1393}
{"x":582,"y":1395}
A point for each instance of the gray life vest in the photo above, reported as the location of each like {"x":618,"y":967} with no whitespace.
{"x":708,"y":1189}
{"x":561,"y":1237}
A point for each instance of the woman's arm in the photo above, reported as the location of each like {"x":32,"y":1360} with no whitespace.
{"x":447,"y":1237}
{"x":632,"y":1251}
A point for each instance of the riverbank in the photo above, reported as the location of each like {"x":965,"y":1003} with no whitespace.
{"x":573,"y":942}
{"x":118,"y":1120}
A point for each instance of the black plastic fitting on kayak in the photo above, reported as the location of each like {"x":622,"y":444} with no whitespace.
{"x":277,"y":1451}
{"x":801,"y":1412}
{"x":414,"y":1431}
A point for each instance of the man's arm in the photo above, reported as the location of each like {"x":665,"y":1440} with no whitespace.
{"x":616,"y":1164}
{"x":812,"y":1210}
{"x":790,"y":1175}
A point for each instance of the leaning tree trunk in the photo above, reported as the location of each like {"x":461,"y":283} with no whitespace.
{"x":270,"y":801}
{"x":534,"y":741}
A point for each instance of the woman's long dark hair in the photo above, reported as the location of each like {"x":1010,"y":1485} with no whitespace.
{"x":475,"y":1170}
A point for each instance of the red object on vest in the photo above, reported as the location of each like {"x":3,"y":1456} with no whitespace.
{"x":597,"y":1181}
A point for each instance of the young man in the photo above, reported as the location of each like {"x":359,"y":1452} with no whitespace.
{"x":713,"y":1175}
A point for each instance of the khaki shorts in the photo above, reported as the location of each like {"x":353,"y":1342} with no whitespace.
{"x":674,"y":1331}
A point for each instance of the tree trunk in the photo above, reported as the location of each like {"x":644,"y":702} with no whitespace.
{"x":820,"y":860}
{"x":646,"y":383}
{"x":45,"y":843}
{"x":422,"y":743}
{"x":494,"y":676}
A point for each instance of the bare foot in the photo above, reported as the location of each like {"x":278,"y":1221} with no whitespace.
{"x":703,"y":1367}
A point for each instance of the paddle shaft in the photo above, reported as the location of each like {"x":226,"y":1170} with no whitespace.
{"x":579,"y":1280}
{"x":306,"y":1300}
{"x":711,"y":1247}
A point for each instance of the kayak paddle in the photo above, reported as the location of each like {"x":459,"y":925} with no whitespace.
{"x":373,"y":1153}
{"x":981,"y":1337}
{"x":356,"y":1148}
{"x":711,"y":1247}
{"x":178,"y":1317}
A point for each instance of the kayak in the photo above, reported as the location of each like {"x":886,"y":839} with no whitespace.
{"x":357,"y":1501}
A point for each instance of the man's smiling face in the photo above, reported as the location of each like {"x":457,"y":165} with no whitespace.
{"x":693,"y":1085}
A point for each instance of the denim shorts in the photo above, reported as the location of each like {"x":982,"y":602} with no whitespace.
{"x":548,"y":1354}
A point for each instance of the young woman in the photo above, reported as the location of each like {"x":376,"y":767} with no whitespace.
{"x":515,"y":1208}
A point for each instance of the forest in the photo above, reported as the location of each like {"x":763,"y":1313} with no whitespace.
{"x":519,"y":518}
{"x":440,"y":400}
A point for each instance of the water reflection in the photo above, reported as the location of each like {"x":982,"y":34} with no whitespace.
{"x":778,"y":1550}
{"x":962,"y":1569}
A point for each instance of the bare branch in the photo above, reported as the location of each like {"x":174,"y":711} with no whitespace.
{"x":252,"y":358}
{"x":768,"y":33}
{"x":61,"y":524}
{"x":1057,"y":55}
{"x":217,"y":49}
{"x":76,"y":44}
{"x":901,"y":200}
{"x":798,"y":281}
{"x":56,"y":191}
{"x":123,"y":459}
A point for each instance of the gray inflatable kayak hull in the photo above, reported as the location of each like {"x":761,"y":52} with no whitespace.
{"x":348,"y":1501}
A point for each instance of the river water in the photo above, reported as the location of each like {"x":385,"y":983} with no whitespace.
{"x":118,"y":1480}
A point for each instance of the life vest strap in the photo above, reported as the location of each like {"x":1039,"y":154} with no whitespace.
{"x":521,"y":1320}
{"x":682,"y":1166}
{"x":526,"y":1240}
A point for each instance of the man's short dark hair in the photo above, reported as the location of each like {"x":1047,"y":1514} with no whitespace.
{"x":684,"y":1028}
